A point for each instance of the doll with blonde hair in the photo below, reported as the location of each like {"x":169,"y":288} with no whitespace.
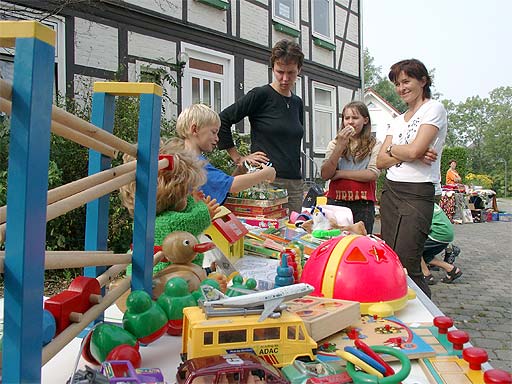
{"x":179,"y":205}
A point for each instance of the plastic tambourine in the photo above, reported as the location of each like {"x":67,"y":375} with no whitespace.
{"x":362,"y":377}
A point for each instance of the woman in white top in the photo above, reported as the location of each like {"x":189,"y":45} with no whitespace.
{"x":411,"y":153}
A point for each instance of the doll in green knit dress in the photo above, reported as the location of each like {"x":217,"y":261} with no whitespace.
{"x":179,"y":205}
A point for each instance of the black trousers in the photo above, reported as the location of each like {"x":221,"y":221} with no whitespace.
{"x":362,"y":210}
{"x":406,"y":211}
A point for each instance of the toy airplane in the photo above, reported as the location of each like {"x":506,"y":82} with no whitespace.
{"x":269,"y":300}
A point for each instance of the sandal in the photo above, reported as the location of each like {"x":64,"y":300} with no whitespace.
{"x":429,"y":279}
{"x":454,"y":274}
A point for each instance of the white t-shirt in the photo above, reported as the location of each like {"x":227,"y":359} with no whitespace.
{"x":433,"y":113}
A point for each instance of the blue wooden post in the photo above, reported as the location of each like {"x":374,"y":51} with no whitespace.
{"x":96,"y":223}
{"x":27,"y":179}
{"x":150,"y":100}
{"x":145,"y":194}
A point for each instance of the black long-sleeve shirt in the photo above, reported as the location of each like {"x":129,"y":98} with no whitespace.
{"x":276,"y":127}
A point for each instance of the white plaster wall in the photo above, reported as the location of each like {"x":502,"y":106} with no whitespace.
{"x":353,"y":30}
{"x":233,"y":8}
{"x":305,"y":10}
{"x":343,"y":2}
{"x":95,"y":45}
{"x":350,"y":61}
{"x":322,"y":56}
{"x":340,"y":21}
{"x":171,"y":8}
{"x":355,"y":6}
{"x":253,"y":23}
{"x":344,"y":97}
{"x":83,"y":88}
{"x":305,"y":41}
{"x":169,"y":107}
{"x":206,"y":16}
{"x":255,"y":75}
{"x":151,"y":47}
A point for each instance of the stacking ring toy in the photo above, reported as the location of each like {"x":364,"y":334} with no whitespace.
{"x":356,"y":361}
{"x":362,"y":377}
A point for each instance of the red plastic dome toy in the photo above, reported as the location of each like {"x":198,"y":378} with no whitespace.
{"x":359,"y":268}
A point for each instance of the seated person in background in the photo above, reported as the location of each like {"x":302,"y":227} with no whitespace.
{"x":197,"y":128}
{"x":440,"y":236}
{"x":452,"y":176}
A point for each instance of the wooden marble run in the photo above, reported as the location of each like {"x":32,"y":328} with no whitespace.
{"x":28,"y":100}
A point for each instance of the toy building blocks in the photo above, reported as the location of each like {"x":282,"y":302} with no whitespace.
{"x":227,"y":232}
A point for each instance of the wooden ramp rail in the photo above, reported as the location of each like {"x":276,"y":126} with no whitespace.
{"x":74,"y":127}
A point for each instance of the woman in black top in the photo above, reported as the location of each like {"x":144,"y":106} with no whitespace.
{"x":276,"y":116}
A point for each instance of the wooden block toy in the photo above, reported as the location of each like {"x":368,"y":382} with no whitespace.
{"x":324,"y":317}
{"x":227,"y":232}
{"x":454,"y":370}
{"x":69,"y":305}
{"x":387,"y":331}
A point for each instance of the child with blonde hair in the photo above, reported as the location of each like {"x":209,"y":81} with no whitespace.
{"x":197,"y":126}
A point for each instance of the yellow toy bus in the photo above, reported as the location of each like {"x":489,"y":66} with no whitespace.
{"x":278,"y":341}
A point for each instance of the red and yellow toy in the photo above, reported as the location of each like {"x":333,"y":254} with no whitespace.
{"x":359,"y":268}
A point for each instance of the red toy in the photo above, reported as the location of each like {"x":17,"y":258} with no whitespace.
{"x":358,"y":268}
{"x":67,"y":306}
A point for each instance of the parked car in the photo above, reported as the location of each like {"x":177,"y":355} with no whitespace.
{"x":232,"y":368}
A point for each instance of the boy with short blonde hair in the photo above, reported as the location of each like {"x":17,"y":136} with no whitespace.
{"x":198,"y":126}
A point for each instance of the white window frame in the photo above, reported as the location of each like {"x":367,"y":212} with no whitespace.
{"x":323,"y":108}
{"x":275,"y":15}
{"x":57,"y":23}
{"x":319,"y":35}
{"x":227,"y":78}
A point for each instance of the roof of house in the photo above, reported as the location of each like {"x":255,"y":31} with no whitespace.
{"x":375,"y":94}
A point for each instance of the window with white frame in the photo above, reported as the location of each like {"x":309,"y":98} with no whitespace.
{"x":323,"y":19}
{"x":207,"y":78}
{"x":286,"y":12}
{"x":7,"y":54}
{"x":324,"y":116}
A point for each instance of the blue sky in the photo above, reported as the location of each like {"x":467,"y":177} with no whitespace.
{"x":468,"y":42}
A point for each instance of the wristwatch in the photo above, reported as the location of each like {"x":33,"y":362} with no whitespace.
{"x":388,"y":150}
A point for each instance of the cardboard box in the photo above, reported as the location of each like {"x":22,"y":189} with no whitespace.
{"x":323,"y":316}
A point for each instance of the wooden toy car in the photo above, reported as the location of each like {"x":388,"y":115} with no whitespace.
{"x":230,"y":368}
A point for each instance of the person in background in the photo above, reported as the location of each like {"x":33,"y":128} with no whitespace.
{"x":411,"y":154}
{"x":440,"y":236}
{"x":276,"y":116}
{"x":351,"y":165}
{"x":197,"y":128}
{"x":452,"y":176}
